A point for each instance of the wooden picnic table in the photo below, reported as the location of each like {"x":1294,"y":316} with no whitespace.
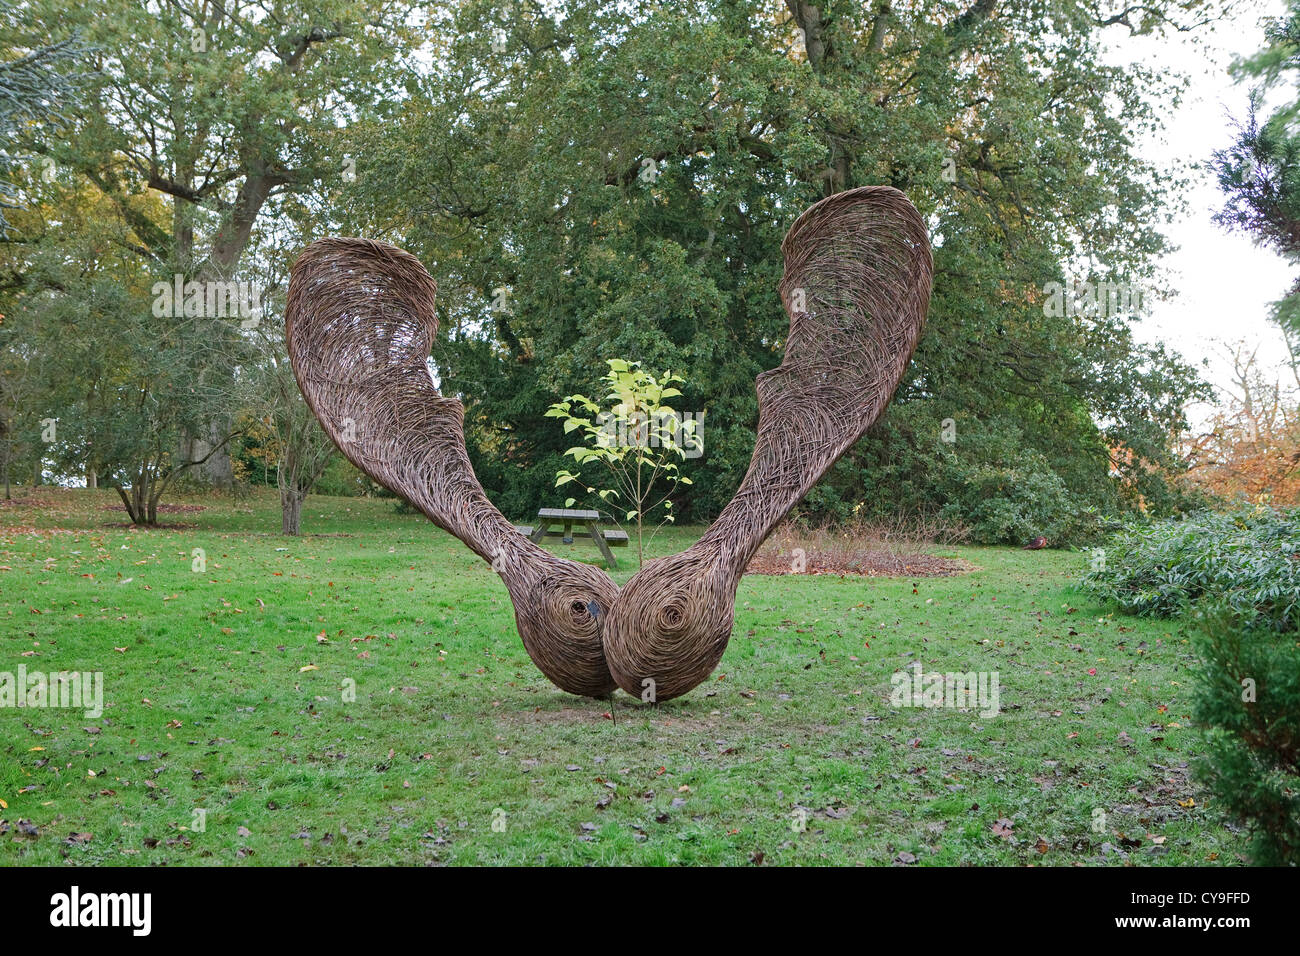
{"x":568,"y":517}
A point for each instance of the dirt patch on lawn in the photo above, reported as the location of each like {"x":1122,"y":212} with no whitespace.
{"x":305,"y":534}
{"x":127,"y":526}
{"x":32,"y":531}
{"x":597,"y":713}
{"x":867,"y":563}
{"x":794,"y":550}
{"x":164,"y":509}
{"x":33,"y":502}
{"x":676,"y":716}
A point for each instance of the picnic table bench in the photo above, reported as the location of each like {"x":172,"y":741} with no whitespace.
{"x":605,"y":538}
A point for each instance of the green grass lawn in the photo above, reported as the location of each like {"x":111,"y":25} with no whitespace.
{"x":225,"y":691}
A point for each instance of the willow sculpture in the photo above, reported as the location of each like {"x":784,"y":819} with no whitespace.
{"x":361,"y":324}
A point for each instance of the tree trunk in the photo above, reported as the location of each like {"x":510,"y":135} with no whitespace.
{"x":218,"y":469}
{"x":126,"y":502}
{"x":7,"y":449}
{"x":291,"y":511}
{"x":141,"y":502}
{"x":233,"y":234}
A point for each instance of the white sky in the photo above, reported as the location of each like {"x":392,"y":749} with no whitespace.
{"x":1224,"y":281}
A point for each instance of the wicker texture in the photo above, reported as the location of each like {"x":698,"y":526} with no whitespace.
{"x":856,"y":286}
{"x":360,"y":324}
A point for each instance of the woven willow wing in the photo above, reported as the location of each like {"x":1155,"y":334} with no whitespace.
{"x":360,"y":324}
{"x":856,"y":287}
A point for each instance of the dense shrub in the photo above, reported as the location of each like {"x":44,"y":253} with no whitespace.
{"x":1248,"y":697}
{"x":985,"y":476}
{"x":1238,"y":573}
{"x":1245,"y":559}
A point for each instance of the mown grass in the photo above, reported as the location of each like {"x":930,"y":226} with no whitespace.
{"x":225,"y":692}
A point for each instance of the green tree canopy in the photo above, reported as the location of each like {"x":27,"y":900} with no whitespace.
{"x":590,"y":180}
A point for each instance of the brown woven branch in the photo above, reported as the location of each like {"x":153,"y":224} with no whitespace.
{"x":857,"y":286}
{"x":360,"y":323}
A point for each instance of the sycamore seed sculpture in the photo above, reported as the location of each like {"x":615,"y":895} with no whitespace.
{"x":361,"y":323}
